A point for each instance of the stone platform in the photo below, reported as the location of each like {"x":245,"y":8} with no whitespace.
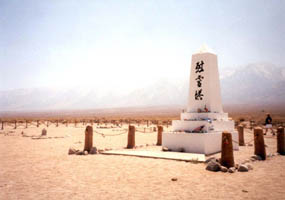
{"x":200,"y":143}
{"x":188,"y":157}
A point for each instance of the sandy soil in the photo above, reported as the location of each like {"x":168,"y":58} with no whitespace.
{"x":42,"y":169}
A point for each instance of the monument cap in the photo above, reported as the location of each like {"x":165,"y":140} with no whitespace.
{"x":204,"y":49}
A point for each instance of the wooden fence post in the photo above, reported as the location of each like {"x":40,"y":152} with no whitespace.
{"x":240,"y":135}
{"x":15,"y":124}
{"x":159,"y":135}
{"x":227,"y":157}
{"x":281,"y":141}
{"x":131,"y":137}
{"x":259,"y":147}
{"x":88,"y":138}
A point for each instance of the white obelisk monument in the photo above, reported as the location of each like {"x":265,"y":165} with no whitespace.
{"x":204,"y":82}
{"x":201,"y":126}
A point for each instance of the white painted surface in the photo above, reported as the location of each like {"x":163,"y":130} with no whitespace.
{"x":159,"y":154}
{"x":181,"y":125}
{"x":215,"y":120}
{"x":210,"y":83}
{"x":202,"y":143}
{"x":218,"y":116}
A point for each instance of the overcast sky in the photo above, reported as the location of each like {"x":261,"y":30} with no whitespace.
{"x":129,"y":44}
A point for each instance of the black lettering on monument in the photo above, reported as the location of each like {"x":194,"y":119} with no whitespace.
{"x":199,"y":95}
{"x":199,"y":80}
{"x":199,"y":67}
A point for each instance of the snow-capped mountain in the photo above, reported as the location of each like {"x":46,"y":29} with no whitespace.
{"x":255,"y":83}
{"x":252,"y":84}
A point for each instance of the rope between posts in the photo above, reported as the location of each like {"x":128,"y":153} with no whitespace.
{"x":104,"y":135}
{"x":144,"y":131}
{"x":251,"y":140}
{"x":244,"y":143}
{"x":118,"y":129}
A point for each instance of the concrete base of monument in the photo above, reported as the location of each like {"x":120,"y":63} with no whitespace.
{"x":188,"y":157}
{"x":202,"y":143}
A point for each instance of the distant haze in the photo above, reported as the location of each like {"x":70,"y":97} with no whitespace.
{"x":63,"y":47}
{"x":253,"y":84}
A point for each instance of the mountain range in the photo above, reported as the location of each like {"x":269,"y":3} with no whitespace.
{"x":259,"y":83}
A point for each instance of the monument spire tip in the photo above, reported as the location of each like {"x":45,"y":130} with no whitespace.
{"x":204,"y":49}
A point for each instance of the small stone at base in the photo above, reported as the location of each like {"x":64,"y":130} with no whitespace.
{"x":211,"y":158}
{"x":256,"y":157}
{"x":243,"y":168}
{"x":224,"y":169}
{"x":249,"y":166}
{"x":93,"y":150}
{"x":213,"y":166}
{"x":80,"y":153}
{"x":72,"y":151}
{"x":232,"y":170}
{"x":165,"y":149}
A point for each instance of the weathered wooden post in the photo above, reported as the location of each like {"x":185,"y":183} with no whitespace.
{"x":159,"y":135}
{"x":15,"y":124}
{"x":2,"y":125}
{"x":88,"y":138}
{"x":240,"y":129}
{"x":227,"y":157}
{"x":56,"y":123}
{"x":38,"y":123}
{"x":131,"y":137}
{"x":259,"y":147}
{"x":281,"y":141}
{"x":147,"y":123}
{"x":47,"y":123}
{"x":44,"y":132}
{"x":75,"y":123}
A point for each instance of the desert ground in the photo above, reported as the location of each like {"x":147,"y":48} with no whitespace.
{"x":42,"y":169}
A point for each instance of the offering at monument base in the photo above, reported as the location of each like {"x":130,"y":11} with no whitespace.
{"x":201,"y":126}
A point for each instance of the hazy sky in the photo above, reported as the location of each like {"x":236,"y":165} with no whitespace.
{"x":128,"y":43}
